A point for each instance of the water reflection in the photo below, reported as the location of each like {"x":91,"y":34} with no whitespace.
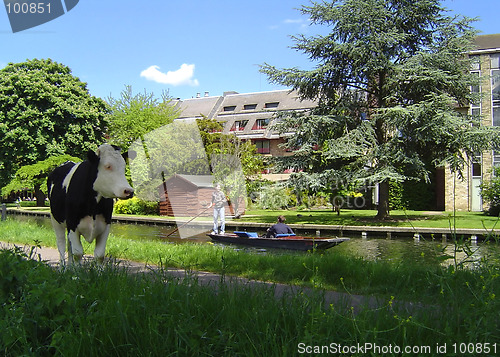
{"x":422,"y":251}
{"x":164,"y":233}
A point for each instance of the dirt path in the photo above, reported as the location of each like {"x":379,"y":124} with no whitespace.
{"x":340,"y":300}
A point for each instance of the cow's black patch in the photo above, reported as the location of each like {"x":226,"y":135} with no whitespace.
{"x":79,"y":199}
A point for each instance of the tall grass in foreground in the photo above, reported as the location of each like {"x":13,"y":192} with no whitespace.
{"x":329,"y":270}
{"x":105,"y":311}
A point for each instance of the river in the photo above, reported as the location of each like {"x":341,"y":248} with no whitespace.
{"x":394,"y":250}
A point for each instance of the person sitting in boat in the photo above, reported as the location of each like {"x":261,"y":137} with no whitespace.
{"x":279,"y":228}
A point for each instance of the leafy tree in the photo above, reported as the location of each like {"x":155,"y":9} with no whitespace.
{"x":388,"y":78}
{"x":217,"y":143}
{"x":233,"y":162}
{"x":35,"y":177}
{"x":45,"y":111}
{"x":135,"y":115}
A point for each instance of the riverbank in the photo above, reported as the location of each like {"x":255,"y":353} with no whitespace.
{"x":365,"y":229}
{"x":350,"y":301}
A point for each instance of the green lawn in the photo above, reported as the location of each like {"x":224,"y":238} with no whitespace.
{"x":476,"y":220}
{"x":398,"y":218}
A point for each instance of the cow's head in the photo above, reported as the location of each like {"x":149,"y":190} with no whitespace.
{"x":111,"y":181}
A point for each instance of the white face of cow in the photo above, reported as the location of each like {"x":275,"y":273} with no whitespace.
{"x":111,"y":181}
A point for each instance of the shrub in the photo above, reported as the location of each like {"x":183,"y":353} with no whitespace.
{"x":490,"y":191}
{"x":137,"y":206}
{"x":274,"y":197}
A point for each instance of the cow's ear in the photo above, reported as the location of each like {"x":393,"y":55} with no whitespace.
{"x":131,"y":154}
{"x":92,"y":156}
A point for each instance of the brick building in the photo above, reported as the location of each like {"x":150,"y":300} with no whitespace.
{"x":248,"y":116}
{"x":465,"y":194}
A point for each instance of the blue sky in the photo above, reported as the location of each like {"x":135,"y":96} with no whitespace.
{"x":185,"y":47}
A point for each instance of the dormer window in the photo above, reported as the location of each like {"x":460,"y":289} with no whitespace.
{"x":230,"y":108}
{"x":271,"y":105}
{"x":250,"y":106}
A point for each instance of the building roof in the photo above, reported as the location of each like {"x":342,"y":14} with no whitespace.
{"x":196,"y":107}
{"x":487,"y":42}
{"x":246,"y":108}
{"x":200,"y":181}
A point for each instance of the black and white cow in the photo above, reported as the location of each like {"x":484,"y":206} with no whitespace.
{"x":81,"y":200}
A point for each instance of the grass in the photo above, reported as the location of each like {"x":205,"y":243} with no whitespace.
{"x":327,"y":270}
{"x":472,"y":220}
{"x":398,"y":218}
{"x":103,"y":311}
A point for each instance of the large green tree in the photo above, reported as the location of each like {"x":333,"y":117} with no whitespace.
{"x":141,"y":122}
{"x":135,"y":115}
{"x":388,"y":77}
{"x":34,"y":177}
{"x":45,"y":111}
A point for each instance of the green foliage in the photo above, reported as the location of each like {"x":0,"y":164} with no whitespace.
{"x":216,"y":143}
{"x":133,"y":116}
{"x":45,"y":111}
{"x":275,"y":197}
{"x":389,"y":75}
{"x":490,"y":192}
{"x":233,"y":162}
{"x":411,"y":195}
{"x":140,"y":121}
{"x":396,"y":196}
{"x":33,"y":304}
{"x":211,"y":133}
{"x":136,"y":206}
{"x":35,"y":175}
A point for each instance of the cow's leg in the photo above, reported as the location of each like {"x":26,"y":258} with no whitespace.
{"x":60,"y":230}
{"x":100,"y":245}
{"x":76,"y":248}
{"x":101,"y":230}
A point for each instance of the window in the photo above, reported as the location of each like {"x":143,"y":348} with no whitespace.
{"x":496,"y":116}
{"x":271,"y":105}
{"x":262,"y":146}
{"x":496,"y":158}
{"x":260,"y":124}
{"x":476,"y":62}
{"x":495,"y":95}
{"x":495,"y":88}
{"x":495,"y":60}
{"x":475,"y":106}
{"x":476,"y":166}
{"x":230,"y":108}
{"x":239,"y":125}
{"x":249,"y":106}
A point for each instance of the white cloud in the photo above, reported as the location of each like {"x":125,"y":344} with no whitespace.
{"x":182,"y":76}
{"x":293,"y":21}
{"x":302,"y":24}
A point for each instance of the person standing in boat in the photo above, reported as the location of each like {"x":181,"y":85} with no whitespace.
{"x":279,"y":228}
{"x":218,"y":202}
